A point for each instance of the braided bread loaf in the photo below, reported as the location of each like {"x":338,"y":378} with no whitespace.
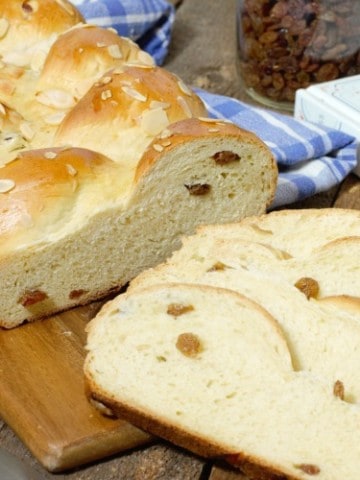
{"x":106,"y":161}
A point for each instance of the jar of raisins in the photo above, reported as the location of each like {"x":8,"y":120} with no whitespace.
{"x":284,"y":45}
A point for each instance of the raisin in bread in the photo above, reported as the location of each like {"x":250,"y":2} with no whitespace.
{"x":208,"y":369}
{"x":106,"y":161}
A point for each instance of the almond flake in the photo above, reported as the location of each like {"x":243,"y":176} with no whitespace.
{"x":38,"y":60}
{"x":55,"y":119}
{"x":56,"y":99}
{"x":209,"y":120}
{"x":112,"y":29}
{"x":105,"y":80}
{"x":139,"y":65}
{"x":10,"y":157}
{"x":145,"y":58}
{"x":105,"y":94}
{"x":114,"y":51}
{"x":166,"y":133}
{"x":6,"y":185}
{"x":158,"y":104}
{"x":184,"y":88}
{"x":27,"y":131}
{"x":4,"y":27}
{"x":213,"y":130}
{"x":157,"y":147}
{"x":100,"y":44}
{"x":134,"y":93}
{"x":50,"y":155}
{"x":71,"y":169}
{"x":166,"y":143}
{"x":81,"y":25}
{"x":11,"y":141}
{"x":19,"y":59}
{"x":66,"y":6}
{"x":2,"y":109}
{"x":184,"y":105}
{"x":154,"y":121}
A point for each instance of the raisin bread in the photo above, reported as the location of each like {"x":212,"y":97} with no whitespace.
{"x":106,"y":161}
{"x":208,"y":369}
{"x":319,"y":315}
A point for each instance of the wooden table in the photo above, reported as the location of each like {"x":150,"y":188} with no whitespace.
{"x":203,"y":53}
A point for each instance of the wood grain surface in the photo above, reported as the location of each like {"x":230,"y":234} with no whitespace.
{"x":203,"y":53}
{"x":43,"y":395}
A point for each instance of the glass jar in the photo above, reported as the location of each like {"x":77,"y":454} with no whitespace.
{"x":284,"y":45}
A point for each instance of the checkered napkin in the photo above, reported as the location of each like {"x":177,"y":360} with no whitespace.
{"x":311,"y":158}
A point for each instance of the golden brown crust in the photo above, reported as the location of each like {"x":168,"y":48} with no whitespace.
{"x":157,"y":427}
{"x":127,"y":96}
{"x":252,"y":467}
{"x":28,"y":21}
{"x":185,"y":130}
{"x":84,"y":53}
{"x":36,"y":181}
{"x":345,"y":302}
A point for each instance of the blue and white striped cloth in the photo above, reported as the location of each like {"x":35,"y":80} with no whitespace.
{"x":311,"y":158}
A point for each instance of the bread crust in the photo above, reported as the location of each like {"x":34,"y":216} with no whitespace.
{"x":40,"y":178}
{"x":29,"y":21}
{"x":182,"y":131}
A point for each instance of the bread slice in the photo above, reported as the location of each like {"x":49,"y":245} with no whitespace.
{"x":294,"y":231}
{"x":323,"y":336}
{"x":282,"y":244}
{"x":322,"y":339}
{"x":209,"y":370}
{"x":322,"y":266}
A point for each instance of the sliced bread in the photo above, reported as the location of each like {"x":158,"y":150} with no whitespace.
{"x":209,"y":370}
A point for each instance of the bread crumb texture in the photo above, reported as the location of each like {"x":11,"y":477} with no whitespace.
{"x":245,"y":344}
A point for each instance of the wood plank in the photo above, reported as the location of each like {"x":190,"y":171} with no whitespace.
{"x":226,"y":473}
{"x":43,"y":395}
{"x":349,"y":193}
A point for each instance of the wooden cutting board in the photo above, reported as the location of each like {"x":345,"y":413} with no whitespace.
{"x":42,"y":396}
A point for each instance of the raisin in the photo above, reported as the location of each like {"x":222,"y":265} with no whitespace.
{"x":308,"y":286}
{"x":31,"y":297}
{"x":339,"y":390}
{"x":198,"y":188}
{"x":177,"y":309}
{"x":224,"y":157}
{"x":189,"y":344}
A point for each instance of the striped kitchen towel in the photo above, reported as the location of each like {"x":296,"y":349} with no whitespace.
{"x":311,"y":158}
